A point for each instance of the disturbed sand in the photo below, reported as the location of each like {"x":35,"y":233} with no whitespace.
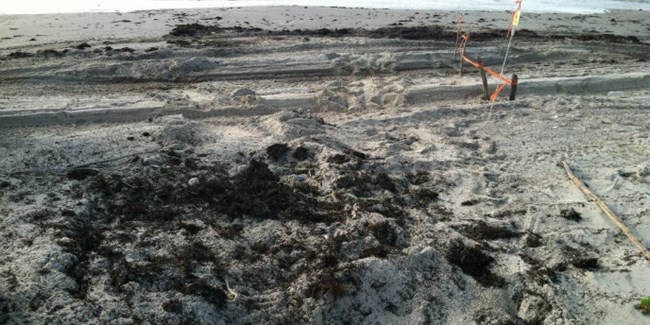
{"x":320,"y":165}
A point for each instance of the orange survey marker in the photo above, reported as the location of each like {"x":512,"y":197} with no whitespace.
{"x":514,"y":19}
{"x":505,"y":81}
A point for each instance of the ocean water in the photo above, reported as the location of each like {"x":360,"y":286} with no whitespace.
{"x":572,"y":6}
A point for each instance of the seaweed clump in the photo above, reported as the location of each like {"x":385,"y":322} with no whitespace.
{"x":475,"y":263}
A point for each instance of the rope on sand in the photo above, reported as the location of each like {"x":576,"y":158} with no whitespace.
{"x":644,"y":251}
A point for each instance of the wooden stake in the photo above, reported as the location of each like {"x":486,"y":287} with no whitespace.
{"x":486,"y":95}
{"x":513,"y":87}
{"x":462,"y":53}
{"x":457,"y":38}
{"x":644,"y":250}
{"x":460,"y":67}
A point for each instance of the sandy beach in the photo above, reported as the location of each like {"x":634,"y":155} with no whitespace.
{"x":321,"y":165}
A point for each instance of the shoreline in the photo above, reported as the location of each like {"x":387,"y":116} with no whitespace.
{"x":457,"y":7}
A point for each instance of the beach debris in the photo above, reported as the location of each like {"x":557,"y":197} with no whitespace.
{"x":601,"y":204}
{"x":301,"y":153}
{"x":533,"y":309}
{"x":486,"y":231}
{"x":82,"y":46}
{"x":616,"y":93}
{"x":644,"y":305}
{"x":125,"y":49}
{"x":193,"y":181}
{"x":533,"y":240}
{"x":475,"y":263}
{"x":586,"y":263}
{"x":232,"y":295}
{"x":277,"y":151}
{"x":52,"y":53}
{"x":243,"y":92}
{"x":4,"y":183}
{"x":19,"y":54}
{"x":192,"y":30}
{"x":82,"y":173}
{"x":571,"y":214}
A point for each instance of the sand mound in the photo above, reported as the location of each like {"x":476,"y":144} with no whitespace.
{"x":362,"y":64}
{"x":177,"y":130}
{"x":154,"y":70}
{"x":183,"y":68}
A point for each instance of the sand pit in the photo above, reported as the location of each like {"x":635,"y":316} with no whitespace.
{"x":320,"y":165}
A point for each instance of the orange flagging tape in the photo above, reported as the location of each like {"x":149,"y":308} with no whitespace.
{"x":514,"y":19}
{"x":497,"y":91}
{"x":506,"y":81}
{"x":482,"y":67}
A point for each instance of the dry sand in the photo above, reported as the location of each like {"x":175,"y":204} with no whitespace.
{"x":320,"y":165}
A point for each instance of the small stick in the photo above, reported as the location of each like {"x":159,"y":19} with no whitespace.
{"x":644,"y":250}
{"x":232,"y":295}
{"x":513,"y":87}
{"x":457,"y":38}
{"x":462,"y":54}
{"x":486,"y":96}
{"x":456,"y":45}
